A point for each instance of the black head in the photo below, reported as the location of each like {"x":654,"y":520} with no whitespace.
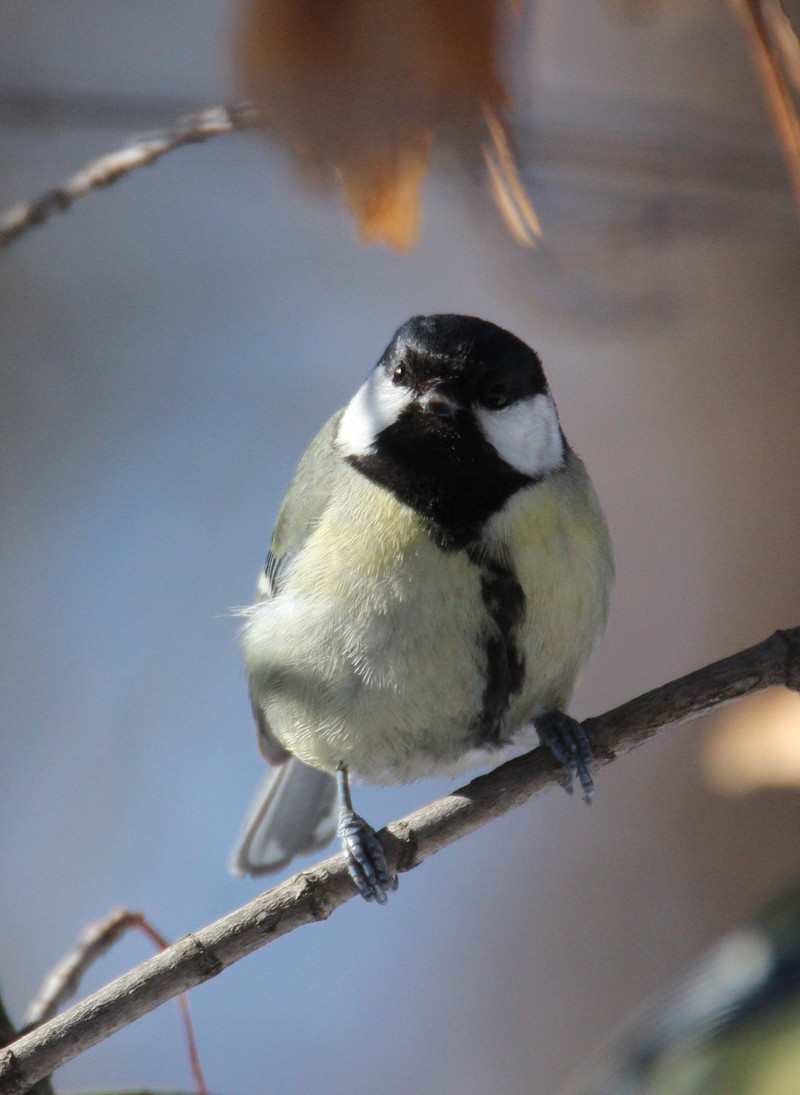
{"x":455,"y":417}
{"x":483,"y":363}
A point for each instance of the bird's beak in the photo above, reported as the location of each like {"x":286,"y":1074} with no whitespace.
{"x":441,"y":401}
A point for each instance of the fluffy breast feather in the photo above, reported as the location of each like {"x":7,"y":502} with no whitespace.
{"x":373,"y":653}
{"x":369,"y":654}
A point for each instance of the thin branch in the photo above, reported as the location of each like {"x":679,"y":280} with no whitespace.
{"x":786,"y":41}
{"x":755,"y":18}
{"x":145,"y":150}
{"x":94,"y":941}
{"x":313,"y":894}
{"x":63,"y":979}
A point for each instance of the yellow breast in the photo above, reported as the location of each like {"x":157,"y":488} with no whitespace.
{"x":369,"y":655}
{"x":374,"y":652}
{"x":556,"y":538}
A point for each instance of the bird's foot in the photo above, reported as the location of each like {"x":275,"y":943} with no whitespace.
{"x":366,"y":861}
{"x":566,"y":739}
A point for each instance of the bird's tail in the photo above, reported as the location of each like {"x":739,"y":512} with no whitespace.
{"x":294,"y":813}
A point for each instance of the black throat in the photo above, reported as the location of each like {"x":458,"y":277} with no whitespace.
{"x":447,"y":472}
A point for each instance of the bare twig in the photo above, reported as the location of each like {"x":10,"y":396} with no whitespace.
{"x":756,"y":17}
{"x":94,"y":941}
{"x":785,"y":39}
{"x":313,"y":894}
{"x":64,"y":978}
{"x":109,"y":168}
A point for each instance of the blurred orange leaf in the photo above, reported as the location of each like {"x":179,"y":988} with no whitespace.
{"x":357,"y":90}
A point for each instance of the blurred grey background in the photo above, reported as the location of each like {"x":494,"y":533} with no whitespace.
{"x":170,"y":346}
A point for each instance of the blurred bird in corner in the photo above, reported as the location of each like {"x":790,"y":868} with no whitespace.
{"x":357,"y":90}
{"x":729,"y":1026}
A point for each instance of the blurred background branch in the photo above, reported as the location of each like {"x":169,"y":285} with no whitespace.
{"x":108,"y":169}
{"x":776,"y":55}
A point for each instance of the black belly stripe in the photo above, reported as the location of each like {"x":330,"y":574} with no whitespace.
{"x":505,"y":666}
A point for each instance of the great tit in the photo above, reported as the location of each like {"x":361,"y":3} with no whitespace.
{"x":729,"y":1026}
{"x":439,"y":573}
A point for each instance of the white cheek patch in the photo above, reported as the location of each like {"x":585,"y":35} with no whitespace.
{"x":526,"y":435}
{"x":377,"y":404}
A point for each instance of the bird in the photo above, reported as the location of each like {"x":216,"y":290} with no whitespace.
{"x":729,"y":1025}
{"x":439,"y":574}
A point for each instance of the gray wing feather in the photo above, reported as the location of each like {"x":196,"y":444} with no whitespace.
{"x":303,"y":504}
{"x":294,"y":813}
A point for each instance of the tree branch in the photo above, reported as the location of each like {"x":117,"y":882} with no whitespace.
{"x":313,"y":894}
{"x":114,"y":165}
{"x":95,"y":940}
{"x":8,"y":1034}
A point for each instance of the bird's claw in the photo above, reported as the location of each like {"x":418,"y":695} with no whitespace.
{"x":566,"y":739}
{"x":366,"y":860}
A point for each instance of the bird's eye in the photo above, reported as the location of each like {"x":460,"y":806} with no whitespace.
{"x":498,"y":395}
{"x":399,"y":374}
